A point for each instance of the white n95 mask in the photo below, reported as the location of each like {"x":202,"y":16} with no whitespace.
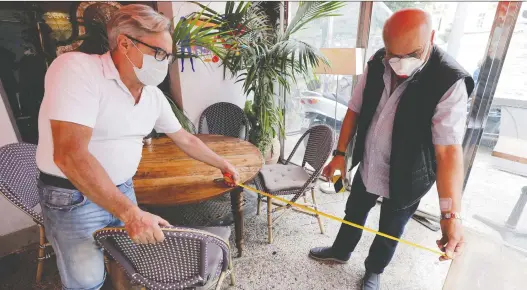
{"x":153,"y":71}
{"x":405,"y":67}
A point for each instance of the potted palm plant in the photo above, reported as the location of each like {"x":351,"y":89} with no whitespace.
{"x":261,"y":57}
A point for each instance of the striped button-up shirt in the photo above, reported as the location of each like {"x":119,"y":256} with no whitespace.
{"x":448,"y":126}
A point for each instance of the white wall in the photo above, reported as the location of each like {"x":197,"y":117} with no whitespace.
{"x":206,"y":85}
{"x":12,"y":218}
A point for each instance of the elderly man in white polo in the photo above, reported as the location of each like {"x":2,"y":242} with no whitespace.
{"x":95,"y":113}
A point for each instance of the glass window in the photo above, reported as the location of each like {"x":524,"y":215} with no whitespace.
{"x":496,"y":192}
{"x":319,"y":100}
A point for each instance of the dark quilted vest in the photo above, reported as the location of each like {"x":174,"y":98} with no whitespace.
{"x":412,"y":161}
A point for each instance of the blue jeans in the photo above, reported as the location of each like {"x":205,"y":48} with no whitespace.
{"x":70,"y":219}
{"x":391,"y":222}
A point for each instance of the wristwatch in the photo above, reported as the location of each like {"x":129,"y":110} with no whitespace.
{"x":339,"y":153}
{"x":450,"y":215}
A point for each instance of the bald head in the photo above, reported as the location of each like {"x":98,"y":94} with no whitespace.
{"x":407,"y":31}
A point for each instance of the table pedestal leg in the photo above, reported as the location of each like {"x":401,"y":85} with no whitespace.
{"x":237,"y":212}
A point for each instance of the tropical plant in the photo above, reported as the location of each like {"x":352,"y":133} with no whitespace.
{"x":215,"y":32}
{"x":262,"y":58}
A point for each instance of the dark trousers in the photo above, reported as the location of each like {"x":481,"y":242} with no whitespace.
{"x":392,"y":222}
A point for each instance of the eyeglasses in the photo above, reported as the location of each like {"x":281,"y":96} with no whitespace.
{"x":396,"y":58}
{"x":160,"y":54}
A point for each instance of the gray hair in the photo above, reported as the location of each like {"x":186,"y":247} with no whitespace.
{"x":135,"y":20}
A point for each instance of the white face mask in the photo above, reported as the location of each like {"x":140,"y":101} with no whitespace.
{"x":405,"y":67}
{"x":153,"y":71}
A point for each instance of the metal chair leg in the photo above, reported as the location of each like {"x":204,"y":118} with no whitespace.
{"x":316,"y":208}
{"x":269,"y":220}
{"x":41,"y":253}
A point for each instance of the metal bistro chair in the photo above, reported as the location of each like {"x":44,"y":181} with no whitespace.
{"x":290,"y":179}
{"x":187,"y":258}
{"x":224,"y":119}
{"x":18,"y":183}
{"x":220,"y":119}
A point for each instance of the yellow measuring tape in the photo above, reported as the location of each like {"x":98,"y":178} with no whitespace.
{"x":306,"y":208}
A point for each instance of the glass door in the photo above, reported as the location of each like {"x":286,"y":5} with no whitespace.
{"x":496,"y":189}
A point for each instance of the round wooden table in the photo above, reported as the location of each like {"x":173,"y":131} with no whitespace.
{"x":167,"y":176}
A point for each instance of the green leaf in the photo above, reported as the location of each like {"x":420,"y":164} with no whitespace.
{"x":180,"y":115}
{"x":264,"y":57}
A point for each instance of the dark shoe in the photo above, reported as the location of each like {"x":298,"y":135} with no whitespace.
{"x":371,"y":281}
{"x":327,"y":254}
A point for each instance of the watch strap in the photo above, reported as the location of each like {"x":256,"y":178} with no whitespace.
{"x":450,"y":215}
{"x":338,"y":153}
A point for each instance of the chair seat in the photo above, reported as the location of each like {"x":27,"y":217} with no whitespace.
{"x":279,"y":177}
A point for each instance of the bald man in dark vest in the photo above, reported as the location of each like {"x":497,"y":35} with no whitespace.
{"x":408,"y":112}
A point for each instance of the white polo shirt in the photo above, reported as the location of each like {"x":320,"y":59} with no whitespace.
{"x":87,"y":90}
